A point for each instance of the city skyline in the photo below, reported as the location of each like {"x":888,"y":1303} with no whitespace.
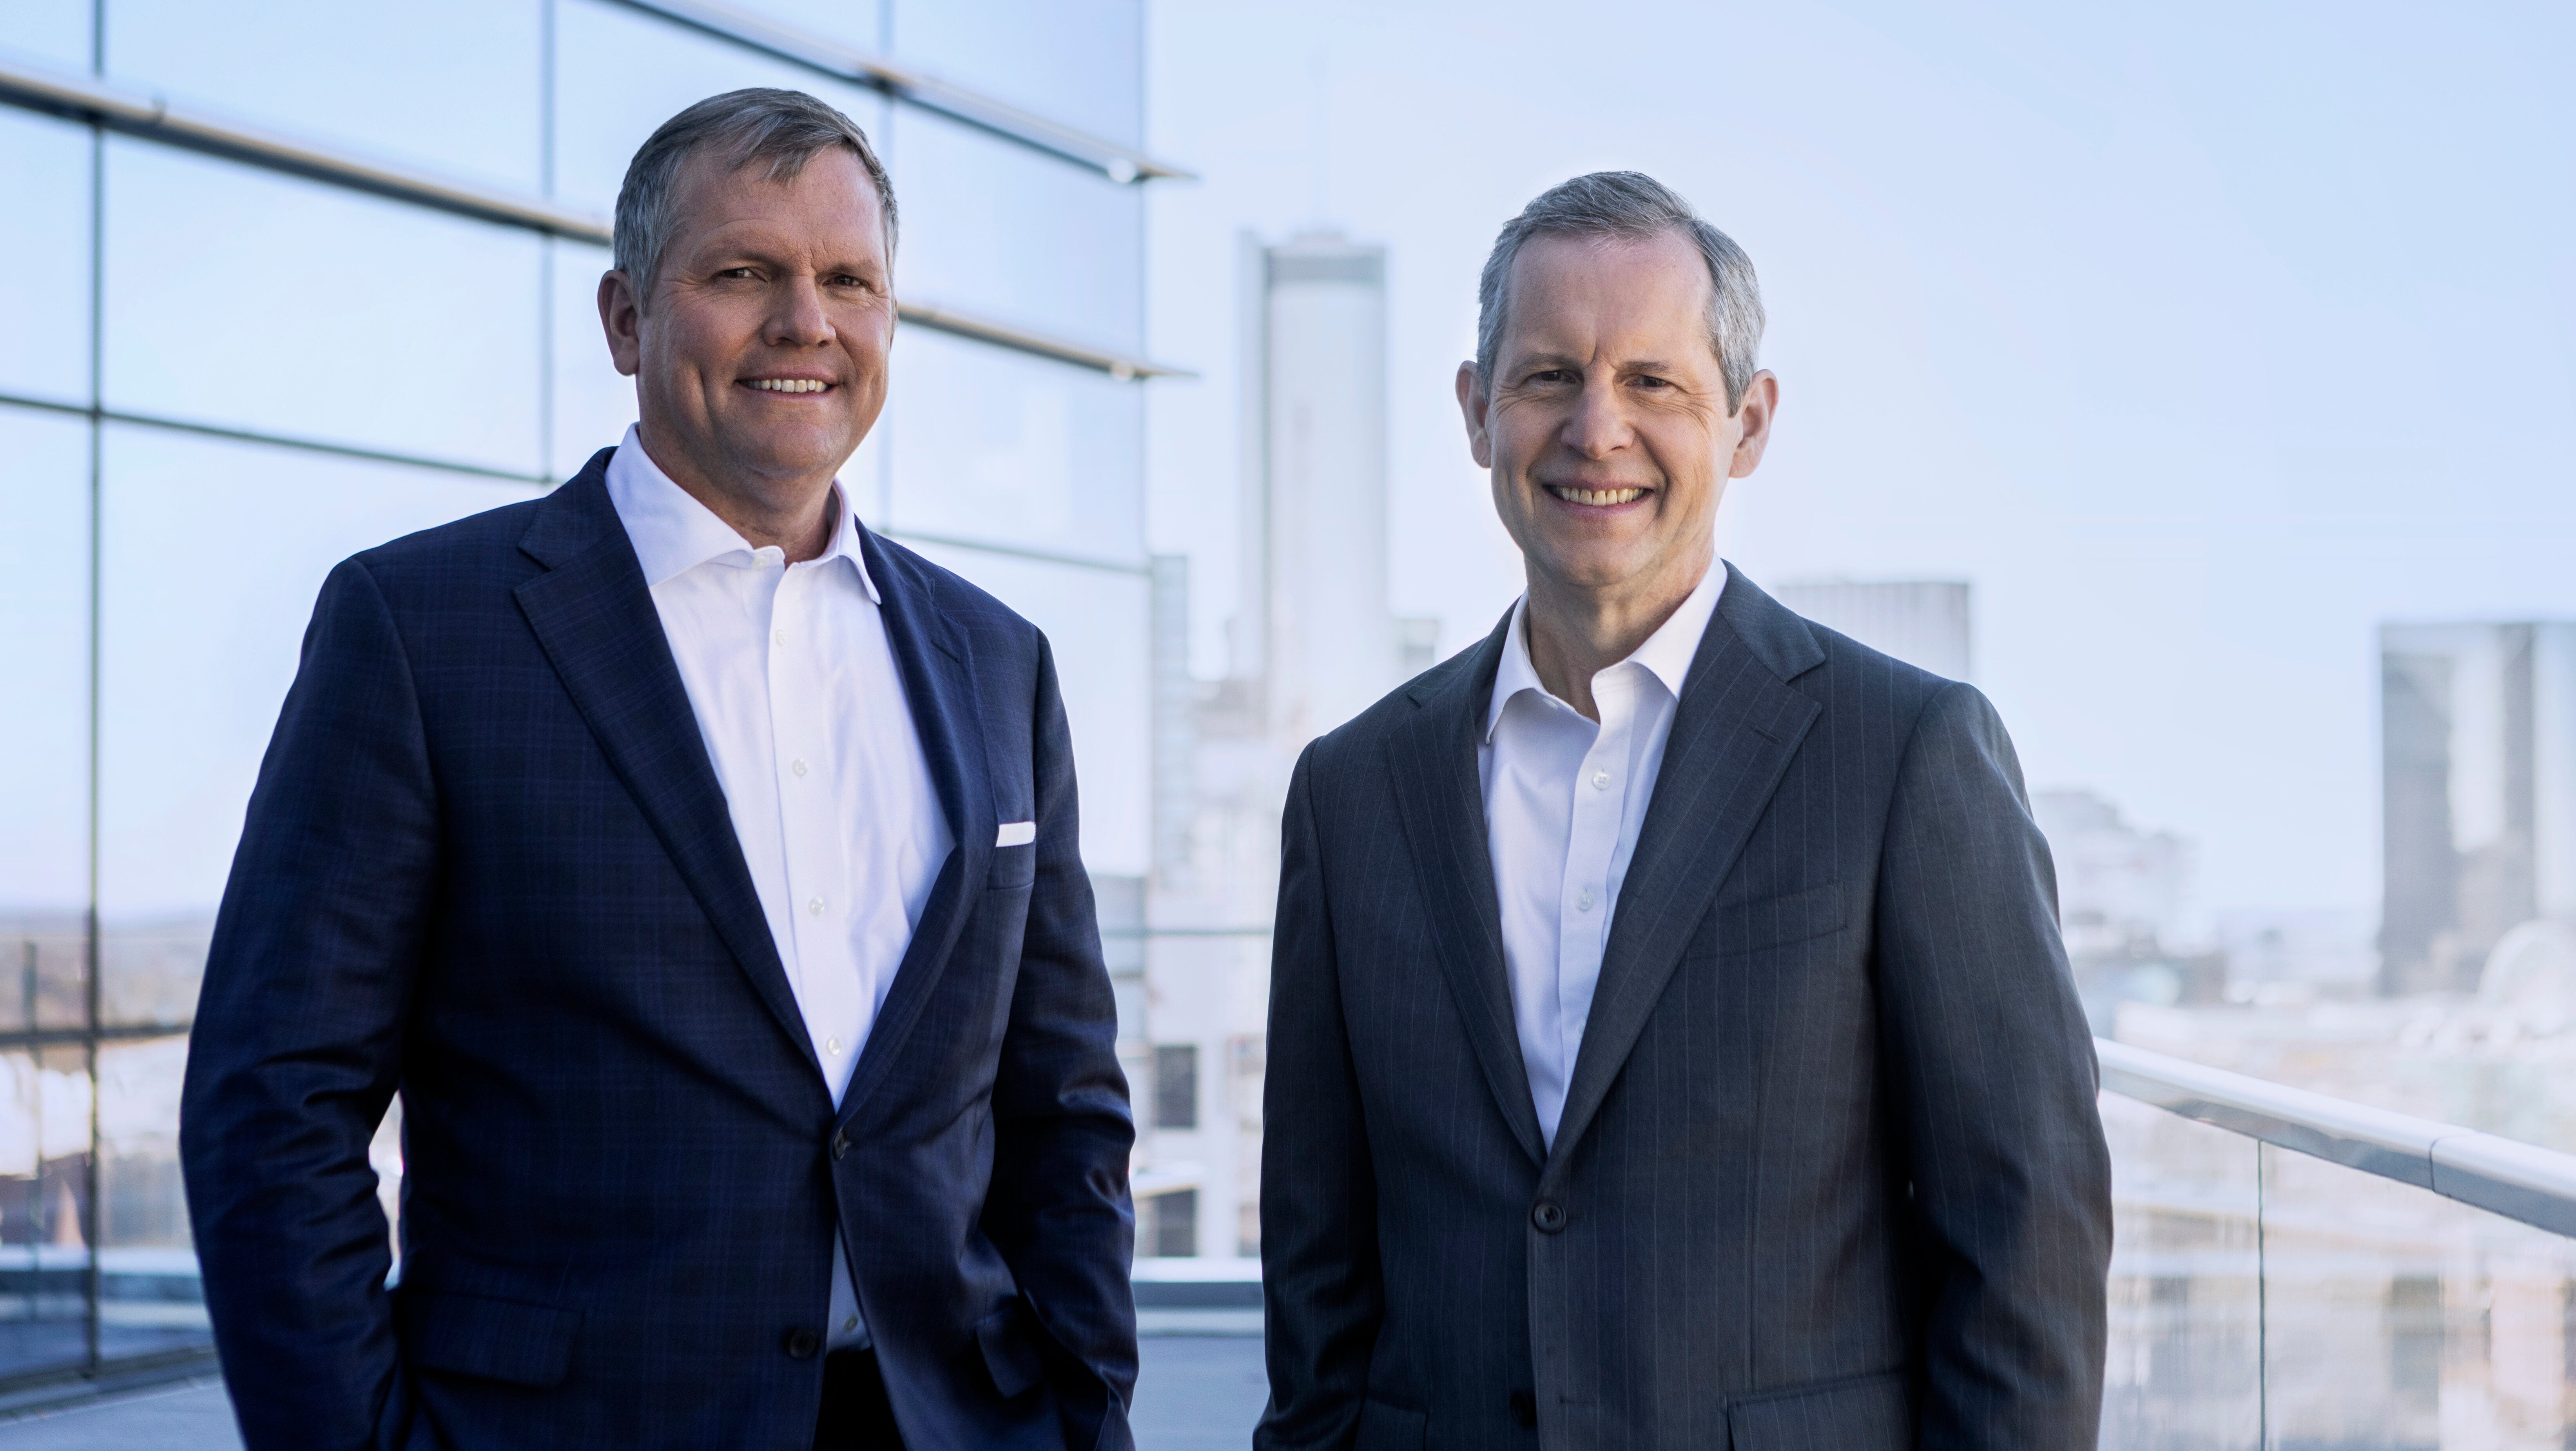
{"x":2197,"y":361}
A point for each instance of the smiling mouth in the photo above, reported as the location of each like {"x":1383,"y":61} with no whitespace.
{"x":1595,"y":498}
{"x":788,"y":385}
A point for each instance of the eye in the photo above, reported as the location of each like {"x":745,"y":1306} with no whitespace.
{"x":1648,"y":380}
{"x":740,"y":273}
{"x":1552,"y":375}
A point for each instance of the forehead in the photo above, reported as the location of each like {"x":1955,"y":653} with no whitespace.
{"x":829,"y":202}
{"x":1591,"y":294}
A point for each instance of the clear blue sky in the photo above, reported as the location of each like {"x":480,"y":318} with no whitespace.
{"x":2200,"y":339}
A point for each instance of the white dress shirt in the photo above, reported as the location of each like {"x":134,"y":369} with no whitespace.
{"x":1564,"y":798}
{"x":794,"y":685}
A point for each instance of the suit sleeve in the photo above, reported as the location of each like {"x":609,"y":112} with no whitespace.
{"x":298,"y":1037}
{"x":1319,"y":1256}
{"x":1058,"y":1208}
{"x":1992,"y":1067}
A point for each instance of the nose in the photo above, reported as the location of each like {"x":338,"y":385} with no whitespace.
{"x":1598,"y":426}
{"x":796,"y":315}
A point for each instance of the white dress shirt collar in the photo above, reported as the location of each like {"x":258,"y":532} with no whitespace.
{"x":1666,"y":653}
{"x":674,"y":533}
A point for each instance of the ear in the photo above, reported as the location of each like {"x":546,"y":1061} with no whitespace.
{"x":621,"y":317}
{"x":1472,"y":403}
{"x":1761,"y":400}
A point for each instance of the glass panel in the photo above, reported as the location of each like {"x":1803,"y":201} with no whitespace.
{"x":44,"y":258}
{"x":994,"y":227}
{"x":593,"y":402}
{"x":619,"y":75}
{"x":1078,"y":62}
{"x":53,"y":33}
{"x":454,"y":87}
{"x":44,"y":718}
{"x":1096,"y":621}
{"x":859,"y":24}
{"x":996,"y":446}
{"x":2186,"y":1324}
{"x":213,"y":553}
{"x":251,"y":300}
{"x":44,"y":1144}
{"x":149,"y":1295}
{"x":2398,"y":1318}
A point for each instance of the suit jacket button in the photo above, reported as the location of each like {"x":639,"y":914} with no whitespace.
{"x":802,"y":1343}
{"x":1548,"y":1215}
{"x":840,"y":1143}
{"x":1524,"y":1408}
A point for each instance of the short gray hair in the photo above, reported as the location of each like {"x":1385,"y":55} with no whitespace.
{"x":1631,"y":206}
{"x":784,"y":129}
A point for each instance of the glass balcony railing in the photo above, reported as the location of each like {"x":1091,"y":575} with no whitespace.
{"x":2298,"y":1271}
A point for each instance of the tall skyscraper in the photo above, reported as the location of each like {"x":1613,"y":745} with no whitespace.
{"x":1312,"y":643}
{"x":2478,"y":805}
{"x":1921,"y":622}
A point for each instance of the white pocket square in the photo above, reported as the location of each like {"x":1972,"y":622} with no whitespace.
{"x":1016,"y":833}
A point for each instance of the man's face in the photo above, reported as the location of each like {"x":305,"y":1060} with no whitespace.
{"x":1605,"y":423}
{"x":760,"y":354}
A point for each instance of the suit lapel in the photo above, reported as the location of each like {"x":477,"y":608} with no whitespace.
{"x":1432,"y":758}
{"x":1735,"y":728}
{"x":940,"y":689}
{"x":594,"y":617}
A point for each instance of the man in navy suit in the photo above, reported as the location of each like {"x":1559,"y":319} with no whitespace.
{"x":702,"y":870}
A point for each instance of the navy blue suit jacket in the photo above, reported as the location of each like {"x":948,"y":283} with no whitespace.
{"x":488,"y":865}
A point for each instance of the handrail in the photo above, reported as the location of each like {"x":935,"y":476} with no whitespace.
{"x":2502,"y":1176}
{"x":152,"y":117}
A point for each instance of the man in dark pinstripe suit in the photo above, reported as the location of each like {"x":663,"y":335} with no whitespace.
{"x":1670,"y":1040}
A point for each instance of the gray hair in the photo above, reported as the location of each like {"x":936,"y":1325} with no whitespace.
{"x":784,"y":129}
{"x":1631,"y":206}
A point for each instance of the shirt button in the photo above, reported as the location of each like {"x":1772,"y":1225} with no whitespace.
{"x":1584,"y":902}
{"x":816,"y":906}
{"x":1600,"y":780}
{"x":849,"y":1324}
{"x":798,"y":767}
{"x":832,"y":1045}
{"x":779,"y":635}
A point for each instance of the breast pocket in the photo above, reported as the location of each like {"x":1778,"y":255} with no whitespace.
{"x":1734,"y":928}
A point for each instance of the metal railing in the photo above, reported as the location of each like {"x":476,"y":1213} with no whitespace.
{"x":2503,"y":1176}
{"x":153,"y":117}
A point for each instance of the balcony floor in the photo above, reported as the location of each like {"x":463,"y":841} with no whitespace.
{"x":1194,"y":1393}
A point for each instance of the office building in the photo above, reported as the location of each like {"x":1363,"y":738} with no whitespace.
{"x":2478,"y":805}
{"x":1921,"y":622}
{"x":284,"y":279}
{"x":1312,"y":643}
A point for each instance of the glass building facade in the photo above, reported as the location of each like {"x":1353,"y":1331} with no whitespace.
{"x":281,"y":281}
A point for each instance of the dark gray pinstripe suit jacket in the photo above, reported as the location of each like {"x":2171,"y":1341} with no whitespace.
{"x":1830,"y":1174}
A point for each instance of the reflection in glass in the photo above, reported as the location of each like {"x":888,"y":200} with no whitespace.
{"x":44,"y":718}
{"x":620,"y":74}
{"x":214,"y":551}
{"x":997,"y":228}
{"x":252,"y":300}
{"x":54,"y":33}
{"x":451,"y":87}
{"x":858,"y":24}
{"x":995,"y":446}
{"x":1078,"y":62}
{"x":150,"y":1297}
{"x":1095,"y":619}
{"x":2186,"y":1329}
{"x":44,"y":1148}
{"x":44,"y":258}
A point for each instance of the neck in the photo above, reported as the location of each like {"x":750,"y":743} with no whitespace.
{"x":1575,"y":633}
{"x":795,"y":515}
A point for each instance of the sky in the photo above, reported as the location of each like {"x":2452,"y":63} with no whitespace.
{"x":2199,"y":339}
